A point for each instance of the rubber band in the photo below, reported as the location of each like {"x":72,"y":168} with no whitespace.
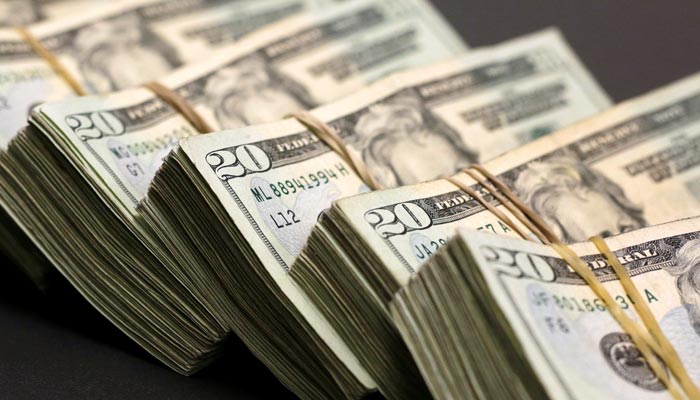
{"x":531,"y":215}
{"x":180,"y":104}
{"x":52,"y":60}
{"x":515,"y":211}
{"x":649,"y":348}
{"x":673,"y":362}
{"x":331,"y":138}
{"x":498,"y":213}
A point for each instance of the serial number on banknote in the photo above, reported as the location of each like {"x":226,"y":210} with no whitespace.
{"x":499,"y":228}
{"x":426,"y":250}
{"x":291,"y":186}
{"x":571,"y":303}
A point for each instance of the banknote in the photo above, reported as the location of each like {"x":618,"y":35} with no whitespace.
{"x":116,"y":45}
{"x":122,"y":44}
{"x":352,"y":38}
{"x":274,"y":72}
{"x":629,"y":167}
{"x":104,"y":151}
{"x":563,"y":331}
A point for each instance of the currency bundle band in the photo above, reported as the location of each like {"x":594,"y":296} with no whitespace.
{"x":180,"y":104}
{"x":52,"y":60}
{"x":329,"y":136}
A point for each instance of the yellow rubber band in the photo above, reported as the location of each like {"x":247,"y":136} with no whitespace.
{"x":649,"y":348}
{"x":536,"y":219}
{"x":180,"y":104}
{"x":498,"y":213}
{"x":331,"y":138}
{"x":52,"y":60}
{"x":514,"y":210}
{"x":670,"y":356}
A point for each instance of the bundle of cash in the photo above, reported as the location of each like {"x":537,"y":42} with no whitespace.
{"x":74,"y":178}
{"x":121,"y":45}
{"x":114,"y":47}
{"x":631,"y":166}
{"x":236,"y":207}
{"x":487,"y":310}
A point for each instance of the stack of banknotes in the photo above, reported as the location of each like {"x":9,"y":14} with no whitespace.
{"x":489,"y":309}
{"x":417,"y":284}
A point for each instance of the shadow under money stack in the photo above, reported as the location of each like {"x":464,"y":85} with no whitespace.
{"x":601,"y":176}
{"x":74,"y":178}
{"x":95,"y":56}
{"x":487,"y":310}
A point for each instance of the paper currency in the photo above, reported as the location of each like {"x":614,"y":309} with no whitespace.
{"x":115,"y":46}
{"x":278,"y":70}
{"x":489,"y":309}
{"x":629,"y":167}
{"x":121,"y":45}
{"x":267,"y":184}
{"x":84,"y":165}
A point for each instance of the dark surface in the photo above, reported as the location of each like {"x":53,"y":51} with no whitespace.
{"x":56,"y":346}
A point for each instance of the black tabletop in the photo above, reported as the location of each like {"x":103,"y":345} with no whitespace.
{"x":55,"y":346}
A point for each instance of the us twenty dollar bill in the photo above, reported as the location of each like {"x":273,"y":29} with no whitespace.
{"x":632,"y":166}
{"x":292,"y":65}
{"x":575,"y":347}
{"x":122,"y":44}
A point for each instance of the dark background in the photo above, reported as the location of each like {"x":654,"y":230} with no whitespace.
{"x":56,"y":346}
